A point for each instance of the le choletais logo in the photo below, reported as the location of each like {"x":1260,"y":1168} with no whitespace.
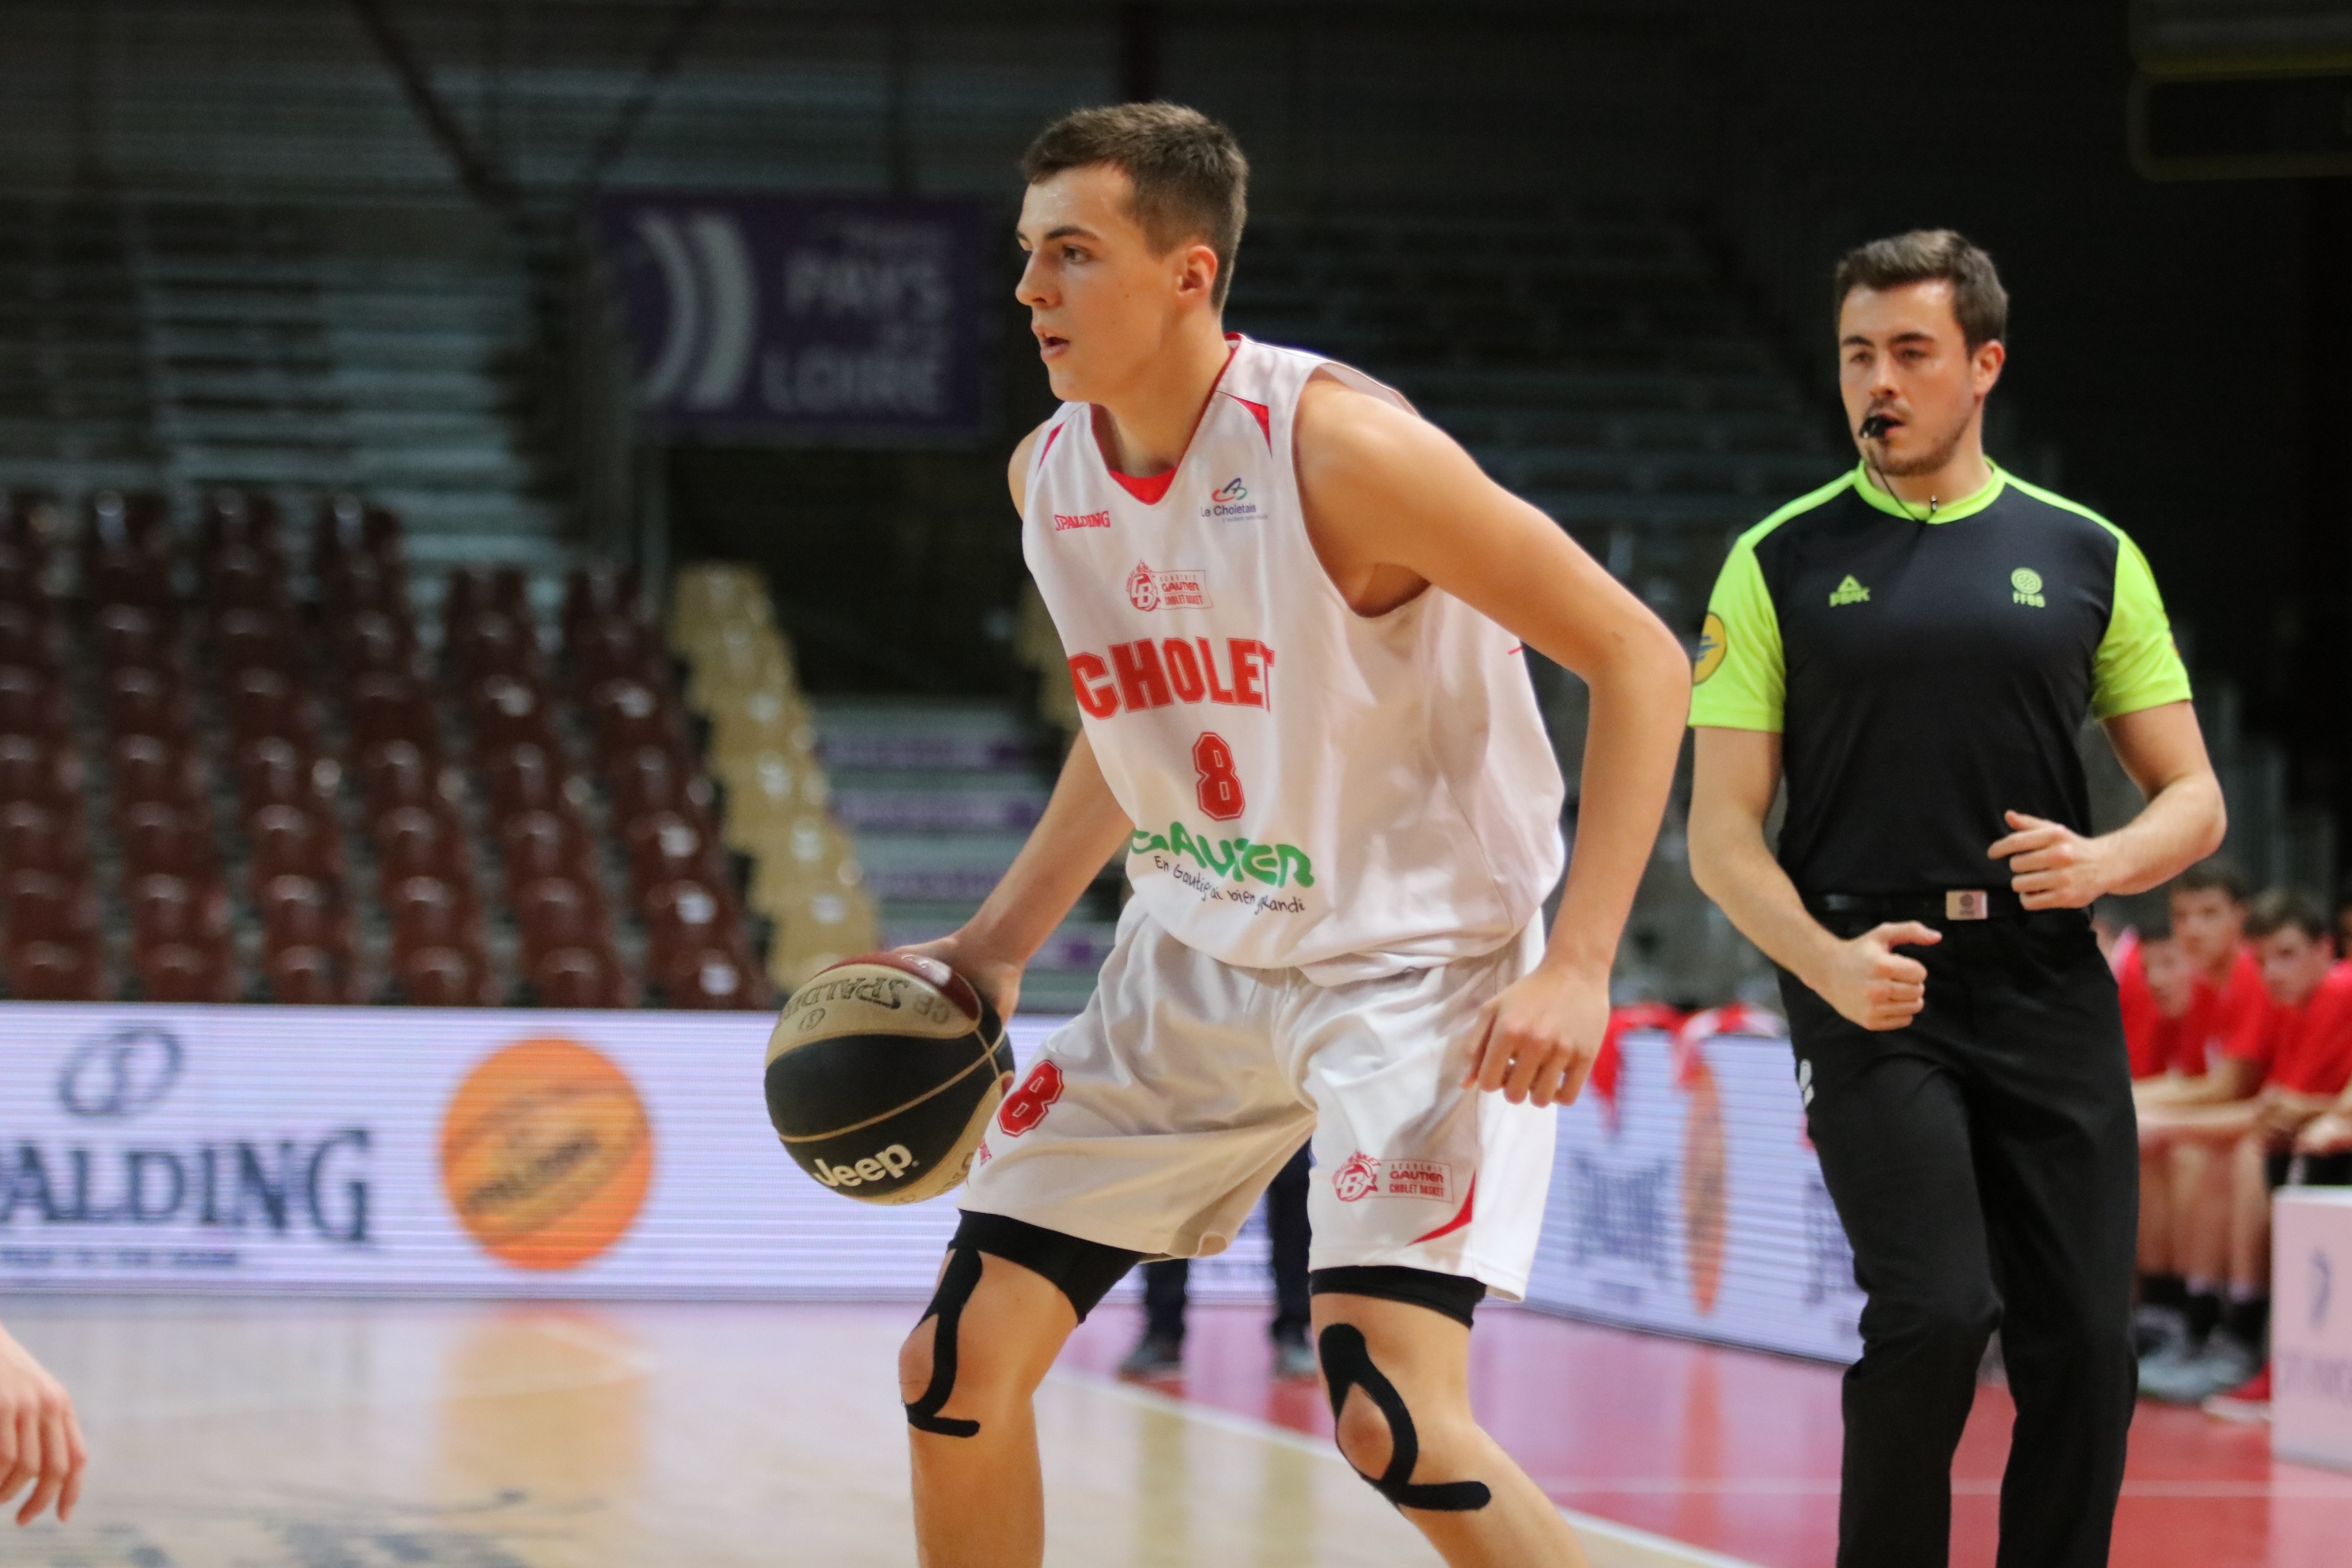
{"x":546,"y":1154}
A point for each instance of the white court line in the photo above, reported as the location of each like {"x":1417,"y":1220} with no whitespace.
{"x":1981,"y":1485}
{"x":1631,"y":1547}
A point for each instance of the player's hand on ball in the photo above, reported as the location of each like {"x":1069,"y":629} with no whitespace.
{"x":1537,"y":1041}
{"x":2051,"y":866}
{"x":1872,"y":985}
{"x":997,"y":979}
{"x":40,"y":1441}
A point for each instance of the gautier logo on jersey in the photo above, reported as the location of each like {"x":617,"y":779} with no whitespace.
{"x":1148,"y":673}
{"x":1180,"y":590}
{"x":1229,"y":499}
{"x":1276,"y":865}
{"x":1064,"y":521}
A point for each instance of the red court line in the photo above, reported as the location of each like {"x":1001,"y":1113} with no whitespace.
{"x":1738,"y":1452}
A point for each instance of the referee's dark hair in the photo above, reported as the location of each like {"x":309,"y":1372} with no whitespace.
{"x":2283,"y":907}
{"x":2213,"y":874}
{"x":1979,"y":302}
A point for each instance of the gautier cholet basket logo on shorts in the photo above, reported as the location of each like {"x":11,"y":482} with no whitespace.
{"x":546,"y":1153}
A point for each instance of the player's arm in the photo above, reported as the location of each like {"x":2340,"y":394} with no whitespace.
{"x":1081,"y":826}
{"x":2231,"y":1078}
{"x":1388,"y":492}
{"x":40,"y":1441}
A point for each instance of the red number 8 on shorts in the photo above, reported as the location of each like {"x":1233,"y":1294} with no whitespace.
{"x":1221,"y":787}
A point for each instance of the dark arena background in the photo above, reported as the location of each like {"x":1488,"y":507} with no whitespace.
{"x":506,"y":572}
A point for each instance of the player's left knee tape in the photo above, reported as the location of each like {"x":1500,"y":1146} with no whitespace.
{"x":1348,"y":1363}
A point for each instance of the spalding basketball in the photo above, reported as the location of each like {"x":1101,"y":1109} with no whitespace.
{"x":882,"y":1075}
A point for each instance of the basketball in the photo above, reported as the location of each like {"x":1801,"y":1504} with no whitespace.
{"x":882,"y":1074}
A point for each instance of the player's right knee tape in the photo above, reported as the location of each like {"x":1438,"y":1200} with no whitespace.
{"x":956,"y":1285}
{"x":1083,"y":1271}
{"x":1348,"y":1363}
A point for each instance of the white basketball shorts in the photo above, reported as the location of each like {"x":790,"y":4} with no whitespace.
{"x":1153,"y":1119}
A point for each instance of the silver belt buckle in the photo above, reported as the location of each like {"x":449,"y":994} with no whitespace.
{"x":1966,"y":904}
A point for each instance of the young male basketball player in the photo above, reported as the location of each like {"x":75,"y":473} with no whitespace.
{"x":1294,"y":615}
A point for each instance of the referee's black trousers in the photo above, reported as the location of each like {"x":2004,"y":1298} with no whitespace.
{"x":1985,"y":1163}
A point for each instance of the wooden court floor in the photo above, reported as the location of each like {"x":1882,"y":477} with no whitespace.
{"x":316,"y":1434}
{"x":334,"y":1434}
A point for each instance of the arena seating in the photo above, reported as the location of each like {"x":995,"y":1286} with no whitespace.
{"x":213,"y":790}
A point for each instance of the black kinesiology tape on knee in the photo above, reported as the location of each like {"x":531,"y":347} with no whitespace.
{"x":956,"y":1283}
{"x":1083,"y":1271}
{"x":1348,"y":1363}
{"x":1451,"y":1294}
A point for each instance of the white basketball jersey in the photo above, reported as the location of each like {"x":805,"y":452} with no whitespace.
{"x":1309,"y":787}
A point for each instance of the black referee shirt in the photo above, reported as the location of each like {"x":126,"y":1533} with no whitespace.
{"x":1927,"y":673}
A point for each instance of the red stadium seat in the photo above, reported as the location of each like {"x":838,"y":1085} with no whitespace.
{"x":130,"y":634}
{"x":186,"y":972}
{"x":579,"y":977}
{"x":711,"y":980}
{"x":258,"y":640}
{"x":687,"y":916}
{"x":346,"y":530}
{"x":613,"y":648}
{"x":32,"y":703}
{"x":151,"y":767}
{"x":536,"y":844}
{"x":418,"y":841}
{"x":525,"y":777}
{"x":45,"y":906}
{"x":263,"y":701}
{"x":364,"y":583}
{"x":276,"y":769}
{"x":301,"y":912}
{"x":560,"y":912}
{"x":386,"y":706}
{"x":596,"y":595}
{"x":508,"y":711}
{"x":165,"y":908}
{"x":293,"y":840}
{"x":234,"y":519}
{"x":669,"y":847}
{"x":56,"y":971}
{"x":305,"y":976}
{"x":445,"y":976}
{"x":29,"y":638}
{"x":159,"y":836}
{"x":36,"y":770}
{"x":244,"y":578}
{"x":401,"y":772}
{"x":140,"y":700}
{"x":42,"y":838}
{"x":21,"y":572}
{"x":376,"y":641}
{"x":651,"y":779}
{"x":430,"y":912}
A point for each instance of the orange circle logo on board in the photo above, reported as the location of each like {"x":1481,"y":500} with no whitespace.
{"x":546,"y":1153}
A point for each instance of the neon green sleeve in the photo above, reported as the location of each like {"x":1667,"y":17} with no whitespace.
{"x":1739,"y":679}
{"x":2137,"y":666}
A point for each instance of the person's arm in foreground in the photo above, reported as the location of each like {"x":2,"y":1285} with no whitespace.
{"x":40,"y":1441}
{"x":1384,"y":489}
{"x":1082,"y":824}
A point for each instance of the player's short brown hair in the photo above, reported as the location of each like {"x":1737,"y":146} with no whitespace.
{"x":2279,"y":908}
{"x":2215,"y":873}
{"x":1190,"y":178}
{"x":1979,"y":302}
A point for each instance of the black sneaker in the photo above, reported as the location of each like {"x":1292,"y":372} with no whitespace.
{"x":1154,"y":1357}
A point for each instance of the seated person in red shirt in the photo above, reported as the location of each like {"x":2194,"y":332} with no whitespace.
{"x":2310,"y":1065}
{"x":2210,"y":1053}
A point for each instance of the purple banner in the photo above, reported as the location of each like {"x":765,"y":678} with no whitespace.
{"x":792,"y":318}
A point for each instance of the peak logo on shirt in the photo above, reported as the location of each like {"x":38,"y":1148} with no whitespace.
{"x":1849,"y":593}
{"x":2025,"y":587}
{"x":1229,"y":499}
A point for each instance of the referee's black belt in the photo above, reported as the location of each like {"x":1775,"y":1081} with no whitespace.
{"x":1951,"y":904}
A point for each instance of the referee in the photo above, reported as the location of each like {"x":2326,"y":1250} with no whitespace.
{"x":1913,"y":648}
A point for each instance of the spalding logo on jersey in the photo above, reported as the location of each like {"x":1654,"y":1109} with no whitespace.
{"x":1026,"y":1106}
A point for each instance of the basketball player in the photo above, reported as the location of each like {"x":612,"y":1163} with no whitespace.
{"x":40,"y":1441}
{"x":1293,"y":613}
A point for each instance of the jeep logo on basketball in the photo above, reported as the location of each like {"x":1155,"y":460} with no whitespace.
{"x":885,"y":1165}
